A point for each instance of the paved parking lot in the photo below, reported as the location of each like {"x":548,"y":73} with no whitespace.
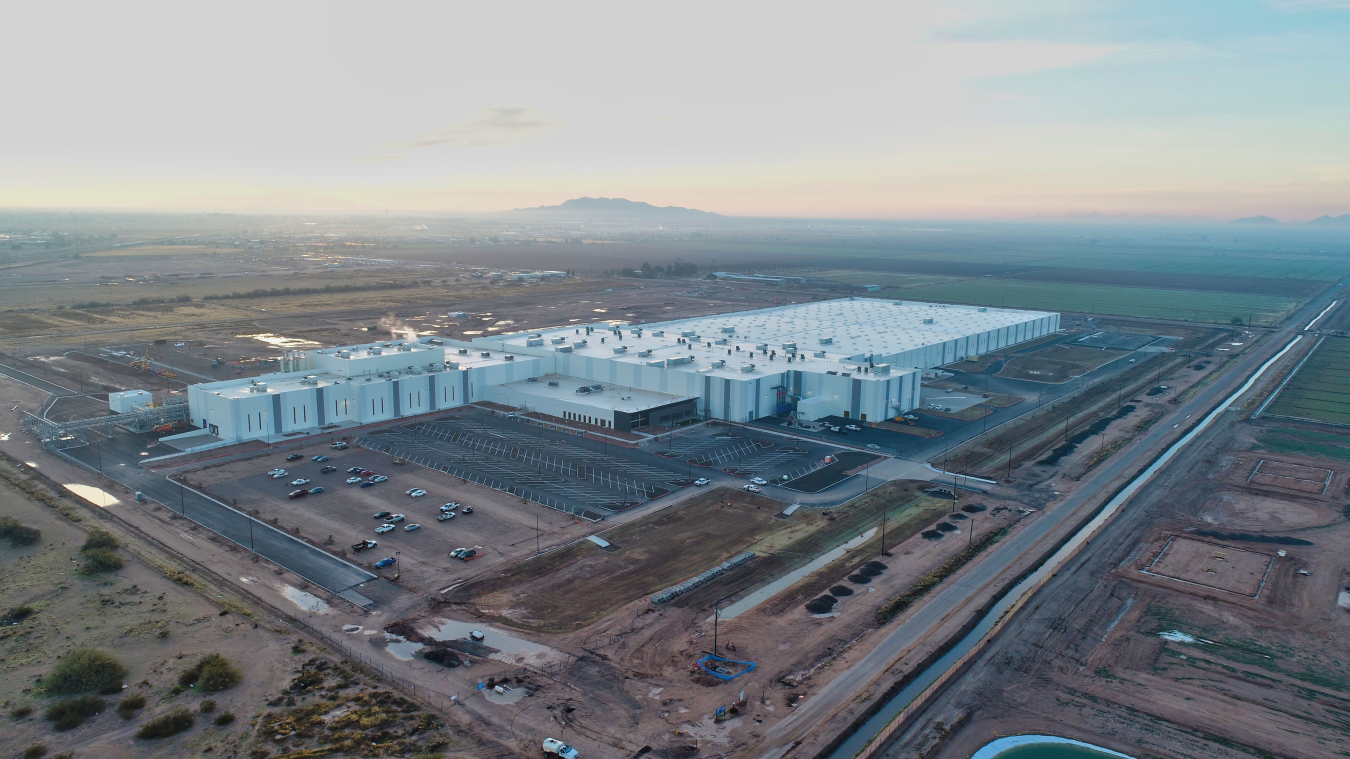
{"x":504,"y":526}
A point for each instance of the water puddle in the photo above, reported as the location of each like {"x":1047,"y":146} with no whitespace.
{"x":279,"y":340}
{"x":401,"y":647}
{"x":306,"y":601}
{"x":96,"y":496}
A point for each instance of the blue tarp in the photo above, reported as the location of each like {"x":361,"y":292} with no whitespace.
{"x":749,"y":667}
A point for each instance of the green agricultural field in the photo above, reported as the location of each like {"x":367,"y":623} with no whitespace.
{"x":1184,"y":305}
{"x":1321,"y":389}
{"x":887,"y":280}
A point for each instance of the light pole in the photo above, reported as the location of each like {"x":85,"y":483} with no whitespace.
{"x":397,"y":566}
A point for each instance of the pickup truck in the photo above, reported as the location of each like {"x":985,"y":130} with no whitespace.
{"x":555,"y":746}
{"x":363,"y":545}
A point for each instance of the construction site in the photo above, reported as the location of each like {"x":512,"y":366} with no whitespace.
{"x":766,"y":571}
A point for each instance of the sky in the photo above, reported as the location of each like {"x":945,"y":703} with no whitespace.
{"x":889,"y":110}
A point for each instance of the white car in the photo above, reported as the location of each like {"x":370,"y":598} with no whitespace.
{"x":874,"y":446}
{"x":339,"y":445}
{"x":277,"y":473}
{"x":555,"y":746}
{"x":701,"y":481}
{"x":396,"y":518}
{"x":853,"y":427}
{"x":413,"y":526}
{"x":378,"y":478}
{"x":382,"y":529}
{"x":450,"y":506}
{"x":300,"y":481}
{"x":752,"y":488}
{"x":445,"y":515}
{"x":759,"y":481}
{"x":353,"y":480}
{"x":417,"y":492}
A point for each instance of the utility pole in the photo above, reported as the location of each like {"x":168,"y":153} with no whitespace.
{"x":1010,"y":461}
{"x":397,"y":566}
{"x":182,"y":502}
{"x":717,"y":616}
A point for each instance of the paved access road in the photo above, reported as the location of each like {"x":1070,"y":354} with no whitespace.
{"x":119,"y":458}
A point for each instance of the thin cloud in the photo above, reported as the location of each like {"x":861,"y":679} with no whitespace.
{"x":494,"y":126}
{"x":1300,"y":6}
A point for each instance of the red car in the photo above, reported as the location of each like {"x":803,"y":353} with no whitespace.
{"x":298,"y":493}
{"x":366,"y":472}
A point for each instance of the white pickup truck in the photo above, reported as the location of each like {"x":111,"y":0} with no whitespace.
{"x":555,"y":746}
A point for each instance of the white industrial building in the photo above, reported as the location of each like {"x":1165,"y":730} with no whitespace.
{"x":859,"y":358}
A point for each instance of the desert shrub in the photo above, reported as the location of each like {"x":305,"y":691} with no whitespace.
{"x":224,"y":718}
{"x":165,"y":725}
{"x":212,"y":673}
{"x":70,"y":713}
{"x":100,"y":560}
{"x":83,"y":670}
{"x":17,"y":534}
{"x":20,"y":712}
{"x":19,"y":613}
{"x":100,"y":539}
{"x":207,"y":706}
{"x":34,"y":751}
{"x":130,"y":705}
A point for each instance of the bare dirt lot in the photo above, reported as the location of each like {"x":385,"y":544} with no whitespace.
{"x":1212,"y":565}
{"x":1057,"y":363}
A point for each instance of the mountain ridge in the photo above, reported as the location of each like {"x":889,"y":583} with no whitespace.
{"x":616,"y":208}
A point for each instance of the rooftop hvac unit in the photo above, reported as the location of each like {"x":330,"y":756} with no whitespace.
{"x":344,"y":354}
{"x":881,"y":369}
{"x":762,"y":347}
{"x":534,"y":342}
{"x":463,"y":351}
{"x":415,"y":369}
{"x":728,"y":330}
{"x":659,"y":363}
{"x":719,"y":364}
{"x":929,"y":320}
{"x":531,"y":379}
{"x":564,"y":349}
{"x":583,"y":390}
{"x":508,"y":357}
{"x":393,"y":375}
{"x":558,"y":340}
{"x":747,"y":368}
{"x":436,"y":341}
{"x":819,"y":354}
{"x":552,"y":383}
{"x":375,"y":350}
{"x":659,"y":333}
{"x":676,"y":361}
{"x":688,"y":333}
{"x":535,"y":335}
{"x":645,"y":353}
{"x":620,"y":349}
{"x":789,"y":346}
{"x":485,"y":354}
{"x":451,"y":364}
{"x":404,"y":348}
{"x":259,"y":387}
{"x":982,"y":309}
{"x":720,"y":341}
{"x":826,"y":340}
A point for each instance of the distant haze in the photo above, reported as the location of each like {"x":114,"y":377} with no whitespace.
{"x":968,"y":109}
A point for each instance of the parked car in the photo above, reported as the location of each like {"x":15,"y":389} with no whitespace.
{"x":752,"y":488}
{"x":294,"y":457}
{"x":328,"y":470}
{"x":354,"y":480}
{"x":339,"y":445}
{"x":378,"y":478}
{"x":382,"y":563}
{"x":353,"y":470}
{"x":382,"y":529}
{"x":759,"y":480}
{"x":315,"y":491}
{"x":300,"y":481}
{"x":363,"y":545}
{"x":399,"y":462}
{"x":874,"y":446}
{"x":381,"y":514}
{"x":467,"y":509}
{"x":853,"y":427}
{"x":277,"y":472}
{"x":701,"y":481}
{"x":298,"y":493}
{"x":320,"y":457}
{"x":555,"y":746}
{"x":465,"y":554}
{"x":365,"y":472}
{"x":417,"y":492}
{"x":396,"y":517}
{"x":413,"y":526}
{"x":367,"y":484}
{"x":445,"y":516}
{"x":450,"y":506}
